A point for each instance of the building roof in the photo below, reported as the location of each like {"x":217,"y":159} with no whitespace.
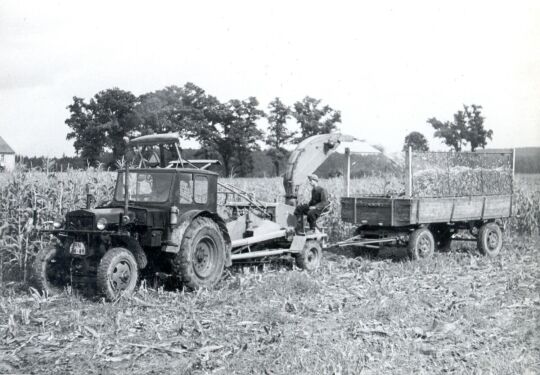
{"x":4,"y":147}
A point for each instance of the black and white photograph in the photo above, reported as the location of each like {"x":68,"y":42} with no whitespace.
{"x":281,"y":187}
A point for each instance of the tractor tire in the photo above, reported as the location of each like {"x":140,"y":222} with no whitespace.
{"x":310,"y":257}
{"x":490,"y":239}
{"x":117,"y":274}
{"x":421,"y":244}
{"x":49,"y":272}
{"x":201,"y":259}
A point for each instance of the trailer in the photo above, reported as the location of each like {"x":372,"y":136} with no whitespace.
{"x":448,"y":196}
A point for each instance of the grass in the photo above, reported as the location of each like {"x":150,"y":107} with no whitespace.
{"x":458,"y":312}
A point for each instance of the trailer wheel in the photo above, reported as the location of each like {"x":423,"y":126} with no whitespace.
{"x":490,"y":239}
{"x":310,"y":257}
{"x":49,"y":272}
{"x":117,"y":273}
{"x":201,"y":259}
{"x":421,"y":244}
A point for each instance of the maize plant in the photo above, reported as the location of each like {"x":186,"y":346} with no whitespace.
{"x":26,"y":196}
{"x":48,"y":196}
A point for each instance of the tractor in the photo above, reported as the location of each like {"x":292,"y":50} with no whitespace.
{"x":163,"y":219}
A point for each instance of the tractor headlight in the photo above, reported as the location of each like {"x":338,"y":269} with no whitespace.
{"x":102,"y":223}
{"x":57,"y":224}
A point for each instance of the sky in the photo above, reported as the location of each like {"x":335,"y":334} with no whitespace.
{"x":388,"y":66}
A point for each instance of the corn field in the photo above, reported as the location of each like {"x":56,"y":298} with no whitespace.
{"x":457,"y":312}
{"x":51,"y":195}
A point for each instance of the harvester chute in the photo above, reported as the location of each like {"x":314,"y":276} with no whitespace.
{"x":307,"y":157}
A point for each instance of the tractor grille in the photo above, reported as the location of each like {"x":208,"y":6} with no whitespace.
{"x":85,"y":222}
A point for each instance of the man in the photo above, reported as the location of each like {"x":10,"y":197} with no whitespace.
{"x":314,"y":208}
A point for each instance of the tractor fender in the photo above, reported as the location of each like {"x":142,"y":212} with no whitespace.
{"x":133,"y":245}
{"x":185,"y":220}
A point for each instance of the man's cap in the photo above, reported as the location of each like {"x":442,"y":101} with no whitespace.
{"x":313,"y":177}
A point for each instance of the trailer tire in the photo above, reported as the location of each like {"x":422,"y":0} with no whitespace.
{"x":421,"y":244}
{"x":117,"y":273}
{"x":49,"y":272}
{"x":309,"y":258}
{"x":490,"y":239}
{"x":201,"y":259}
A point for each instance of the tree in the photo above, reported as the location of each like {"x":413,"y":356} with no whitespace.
{"x":176,"y":109}
{"x":232,"y":133}
{"x":278,"y":134}
{"x":101,"y":123}
{"x":224,"y":130}
{"x":314,"y":119}
{"x":155,"y":111}
{"x":467,"y":127}
{"x":113,"y":110}
{"x":89,"y":139}
{"x":477,"y":136}
{"x":416,"y":141}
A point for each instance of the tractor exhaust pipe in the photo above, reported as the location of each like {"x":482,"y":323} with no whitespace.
{"x":125,"y":218}
{"x":126,"y":190}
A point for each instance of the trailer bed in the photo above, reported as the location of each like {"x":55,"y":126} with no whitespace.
{"x":403,"y":211}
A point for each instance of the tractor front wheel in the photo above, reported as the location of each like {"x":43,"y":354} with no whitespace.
{"x":49,"y":272}
{"x":310,"y":257}
{"x":201,"y":259}
{"x":117,"y":273}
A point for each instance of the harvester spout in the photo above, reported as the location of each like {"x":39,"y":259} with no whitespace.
{"x":306,"y":158}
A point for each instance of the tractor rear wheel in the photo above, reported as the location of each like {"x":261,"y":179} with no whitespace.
{"x":421,"y":244}
{"x":201,"y":259}
{"x":490,"y":239}
{"x":49,"y":272}
{"x":117,"y":273}
{"x":310,"y":257}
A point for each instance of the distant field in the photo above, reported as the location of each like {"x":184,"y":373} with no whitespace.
{"x":528,"y":160}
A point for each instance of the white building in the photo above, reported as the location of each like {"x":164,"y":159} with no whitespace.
{"x":7,"y":157}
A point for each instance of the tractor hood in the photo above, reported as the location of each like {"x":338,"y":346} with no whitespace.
{"x":87,"y":219}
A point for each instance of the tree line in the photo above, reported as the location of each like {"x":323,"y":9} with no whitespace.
{"x":229,"y":131}
{"x":467,"y":128}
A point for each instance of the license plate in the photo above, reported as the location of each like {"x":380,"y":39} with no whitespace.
{"x":77,"y":248}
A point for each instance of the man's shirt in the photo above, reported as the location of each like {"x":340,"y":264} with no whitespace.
{"x":319,"y":198}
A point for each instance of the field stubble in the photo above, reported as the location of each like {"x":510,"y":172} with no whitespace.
{"x":455,"y":313}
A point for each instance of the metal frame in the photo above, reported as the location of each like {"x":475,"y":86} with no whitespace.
{"x":246,"y":242}
{"x":359,"y":241}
